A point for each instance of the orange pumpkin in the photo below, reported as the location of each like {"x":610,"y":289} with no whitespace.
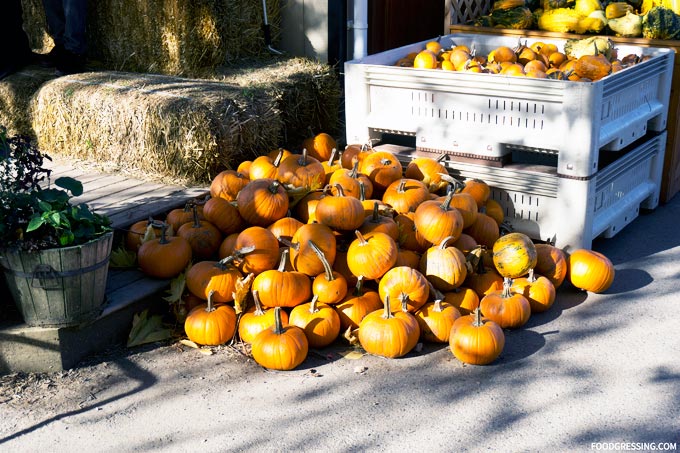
{"x":262,"y":202}
{"x":227,"y":184}
{"x":164,"y":257}
{"x":281,"y":288}
{"x":209,"y":324}
{"x":265,"y":250}
{"x":255,"y":320}
{"x":405,"y":195}
{"x":404,"y":285}
{"x":207,"y":277}
{"x":320,"y":146}
{"x":302,"y":171}
{"x":371,"y":255}
{"x":438,"y":220}
{"x":224,"y":215}
{"x":507,"y":309}
{"x":356,"y":305}
{"x":380,"y":223}
{"x":319,"y":321}
{"x":303,"y":256}
{"x":538,"y":290}
{"x":436,"y":319}
{"x":388,"y":334}
{"x":476,"y":340}
{"x":444,"y":266}
{"x":464,"y":299}
{"x":330,"y":287}
{"x":590,"y":270}
{"x":280,"y":348}
{"x":551,"y":262}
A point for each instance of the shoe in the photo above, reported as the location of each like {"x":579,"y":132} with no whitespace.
{"x":49,"y":60}
{"x":69,"y":63}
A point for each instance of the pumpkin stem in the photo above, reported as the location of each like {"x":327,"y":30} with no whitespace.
{"x":362,"y":191}
{"x":358,"y":288}
{"x":312,"y":304}
{"x":532,"y":277}
{"x":278,"y":324}
{"x":274,"y":187}
{"x":507,"y":283}
{"x":287,"y":242}
{"x":302,"y":161}
{"x":404,"y":305}
{"x":341,"y":191}
{"x":362,"y":239}
{"x":277,"y":160}
{"x":387,"y":313}
{"x":355,"y":170}
{"x":401,"y":188}
{"x":283,"y":260}
{"x":478,"y":318}
{"x":454,"y":185}
{"x":237,"y":255}
{"x":164,"y":234}
{"x":334,"y":152}
{"x":209,"y":307}
{"x":197,"y":221}
{"x":403,"y":299}
{"x":442,"y":244}
{"x":328,"y":270}
{"x":375,"y":215}
{"x":446,"y":204}
{"x":258,"y":304}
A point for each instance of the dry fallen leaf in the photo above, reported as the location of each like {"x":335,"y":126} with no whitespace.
{"x":352,"y":355}
{"x":205,"y":351}
{"x":189,"y":343}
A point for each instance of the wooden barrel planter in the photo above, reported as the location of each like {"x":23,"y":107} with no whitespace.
{"x":59,"y":287}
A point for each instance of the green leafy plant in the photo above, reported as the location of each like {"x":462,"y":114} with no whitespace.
{"x":35,"y":215}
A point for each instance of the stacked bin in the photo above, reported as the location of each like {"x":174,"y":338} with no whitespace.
{"x":568,"y":161}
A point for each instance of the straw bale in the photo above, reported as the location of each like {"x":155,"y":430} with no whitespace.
{"x":16,"y":92}
{"x":308,"y":93}
{"x":170,"y":37}
{"x":156,"y":127}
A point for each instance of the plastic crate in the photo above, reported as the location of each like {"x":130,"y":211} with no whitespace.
{"x":570,"y":212}
{"x":487,"y":116}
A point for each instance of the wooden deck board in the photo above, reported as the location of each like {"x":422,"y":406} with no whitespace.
{"x":125,"y":200}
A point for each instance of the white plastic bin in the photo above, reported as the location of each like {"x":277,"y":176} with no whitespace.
{"x":487,"y":116}
{"x":570,"y":212}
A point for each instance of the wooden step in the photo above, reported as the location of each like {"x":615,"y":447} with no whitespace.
{"x":125,"y":201}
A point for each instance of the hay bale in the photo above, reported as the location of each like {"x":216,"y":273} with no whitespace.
{"x":155,"y":127}
{"x":16,"y":92}
{"x":308,"y":93}
{"x":166,"y":36}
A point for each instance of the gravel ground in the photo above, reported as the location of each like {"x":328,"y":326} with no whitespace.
{"x":596,"y":369}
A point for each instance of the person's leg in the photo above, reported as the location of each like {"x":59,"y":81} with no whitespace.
{"x":75,"y":14}
{"x":56,"y":22}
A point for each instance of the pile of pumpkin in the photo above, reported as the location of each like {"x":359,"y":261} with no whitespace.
{"x":292,"y":251}
{"x":581,"y":60}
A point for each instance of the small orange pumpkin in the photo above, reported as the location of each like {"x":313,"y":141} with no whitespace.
{"x":590,"y":270}
{"x":210,"y":325}
{"x":507,"y":309}
{"x":280,"y":348}
{"x":388,"y":334}
{"x":476,"y":340}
